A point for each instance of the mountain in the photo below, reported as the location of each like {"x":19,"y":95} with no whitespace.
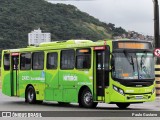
{"x":19,"y":17}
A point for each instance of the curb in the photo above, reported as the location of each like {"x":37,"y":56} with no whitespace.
{"x":158,"y":98}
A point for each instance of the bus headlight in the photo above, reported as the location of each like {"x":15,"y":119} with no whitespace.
{"x":119,"y":90}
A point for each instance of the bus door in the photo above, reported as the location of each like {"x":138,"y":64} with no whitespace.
{"x":14,"y":73}
{"x":51,"y":75}
{"x":102,"y":70}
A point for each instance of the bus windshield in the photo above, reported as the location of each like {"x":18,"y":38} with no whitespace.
{"x":133,"y":65}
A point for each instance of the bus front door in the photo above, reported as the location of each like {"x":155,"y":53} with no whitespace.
{"x":14,"y":78}
{"x":102,"y":73}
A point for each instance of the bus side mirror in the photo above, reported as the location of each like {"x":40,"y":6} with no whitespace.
{"x":112,"y":69}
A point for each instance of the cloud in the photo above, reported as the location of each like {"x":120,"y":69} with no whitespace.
{"x":134,"y":15}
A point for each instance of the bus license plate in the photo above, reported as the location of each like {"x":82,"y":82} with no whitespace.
{"x":139,"y":97}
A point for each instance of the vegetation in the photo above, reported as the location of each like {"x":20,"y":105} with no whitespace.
{"x":19,"y":17}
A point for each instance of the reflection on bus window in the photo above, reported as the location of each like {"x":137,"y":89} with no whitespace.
{"x":83,"y":62}
{"x":6,"y":62}
{"x":25,"y":63}
{"x":83,"y":58}
{"x":52,"y":60}
{"x":134,"y":66}
{"x":38,"y":61}
{"x":67,"y":59}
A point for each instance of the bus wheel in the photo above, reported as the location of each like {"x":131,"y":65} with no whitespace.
{"x":86,"y":99}
{"x":123,"y":105}
{"x":31,"y":95}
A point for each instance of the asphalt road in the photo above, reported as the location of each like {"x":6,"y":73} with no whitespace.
{"x":18,"y":104}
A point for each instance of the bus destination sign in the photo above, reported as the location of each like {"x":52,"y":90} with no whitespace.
{"x":132,"y":45}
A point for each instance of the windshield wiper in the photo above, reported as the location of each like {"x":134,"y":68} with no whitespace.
{"x":142,"y":61}
{"x":142,"y":65}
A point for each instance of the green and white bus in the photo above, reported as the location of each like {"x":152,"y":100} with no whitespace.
{"x":117,"y":72}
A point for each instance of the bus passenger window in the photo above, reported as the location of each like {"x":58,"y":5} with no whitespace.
{"x":38,"y":61}
{"x":67,"y":59}
{"x":25,"y":61}
{"x":52,"y":60}
{"x":83,"y":58}
{"x":6,"y":62}
{"x":83,"y":62}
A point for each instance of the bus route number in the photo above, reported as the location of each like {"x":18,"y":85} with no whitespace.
{"x":157,"y":52}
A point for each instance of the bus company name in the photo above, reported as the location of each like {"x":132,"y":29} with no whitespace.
{"x":32,"y":78}
{"x":70,"y":78}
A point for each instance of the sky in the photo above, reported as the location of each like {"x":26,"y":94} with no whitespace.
{"x":132,"y":15}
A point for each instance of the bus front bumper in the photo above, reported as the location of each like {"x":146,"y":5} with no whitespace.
{"x":116,"y":96}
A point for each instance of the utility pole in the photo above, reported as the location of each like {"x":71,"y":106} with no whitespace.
{"x":156,"y":27}
{"x":156,"y":23}
{"x":156,"y":44}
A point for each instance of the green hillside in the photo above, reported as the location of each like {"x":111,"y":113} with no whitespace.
{"x":19,"y":17}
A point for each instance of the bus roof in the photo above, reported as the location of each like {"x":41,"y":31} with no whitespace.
{"x":66,"y":44}
{"x":61,"y":45}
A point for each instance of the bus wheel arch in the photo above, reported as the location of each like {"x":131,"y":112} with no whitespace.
{"x":84,"y":94}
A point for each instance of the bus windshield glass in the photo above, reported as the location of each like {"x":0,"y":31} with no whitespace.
{"x":133,"y":65}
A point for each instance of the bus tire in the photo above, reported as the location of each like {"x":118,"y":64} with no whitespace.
{"x":31,"y":95}
{"x":123,"y":105}
{"x":86,"y":99}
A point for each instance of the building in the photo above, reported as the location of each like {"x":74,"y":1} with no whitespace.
{"x":36,"y":37}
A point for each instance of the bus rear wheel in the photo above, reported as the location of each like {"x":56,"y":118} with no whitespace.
{"x":86,"y":99}
{"x":123,"y":105}
{"x":31,"y":95}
